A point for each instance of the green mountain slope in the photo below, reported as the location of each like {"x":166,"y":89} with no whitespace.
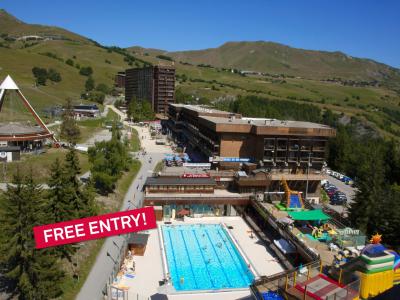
{"x":14,"y":27}
{"x":17,"y":58}
{"x":205,"y":76}
{"x":275,"y":58}
{"x":377,"y":106}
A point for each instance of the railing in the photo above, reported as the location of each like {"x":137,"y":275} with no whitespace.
{"x":285,"y":281}
{"x":111,"y":292}
{"x":266,"y":279}
{"x":301,"y":247}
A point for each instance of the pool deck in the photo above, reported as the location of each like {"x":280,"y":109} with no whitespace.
{"x":149,"y":268}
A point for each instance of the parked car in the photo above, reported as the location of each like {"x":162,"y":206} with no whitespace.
{"x":331,"y":192}
{"x":348,"y":180}
{"x":339,"y":198}
{"x":329,"y":187}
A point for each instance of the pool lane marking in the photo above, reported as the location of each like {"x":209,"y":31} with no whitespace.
{"x":204,"y":259}
{"x":240,"y":270}
{"x":190,"y":261}
{"x":216,"y":254}
{"x":173,"y":255}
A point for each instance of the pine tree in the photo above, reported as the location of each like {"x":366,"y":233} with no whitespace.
{"x":31,"y":271}
{"x":81,"y":197}
{"x":58,"y":207}
{"x":69,"y":129}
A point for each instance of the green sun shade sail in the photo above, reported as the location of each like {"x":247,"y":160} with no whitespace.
{"x":308,"y":215}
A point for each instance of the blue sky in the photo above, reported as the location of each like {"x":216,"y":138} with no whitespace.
{"x":367,"y":28}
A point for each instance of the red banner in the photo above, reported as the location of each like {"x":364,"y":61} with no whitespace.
{"x":94,"y":227}
{"x":202,"y":175}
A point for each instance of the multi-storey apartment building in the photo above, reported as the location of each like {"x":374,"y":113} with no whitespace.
{"x":155,"y":84}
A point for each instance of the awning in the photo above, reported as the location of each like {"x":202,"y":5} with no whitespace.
{"x":138,"y":238}
{"x":308,"y":215}
{"x":284,"y":246}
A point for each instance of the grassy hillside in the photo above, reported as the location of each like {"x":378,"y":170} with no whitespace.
{"x":275,"y":58}
{"x":13,"y":27}
{"x":17,"y":58}
{"x":369,"y":103}
{"x":288,"y":73}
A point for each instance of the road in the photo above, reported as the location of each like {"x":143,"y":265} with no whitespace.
{"x":347,"y":189}
{"x":108,"y":255}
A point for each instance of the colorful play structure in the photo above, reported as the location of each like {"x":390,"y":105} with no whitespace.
{"x":377,"y":267}
{"x":308,"y":282}
{"x":354,"y":275}
{"x":292,"y":199}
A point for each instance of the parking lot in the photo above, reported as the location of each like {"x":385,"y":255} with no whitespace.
{"x":347,"y":189}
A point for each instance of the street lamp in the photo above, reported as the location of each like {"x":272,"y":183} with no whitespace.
{"x":116,"y":245}
{"x":308,"y":170}
{"x":109,"y":255}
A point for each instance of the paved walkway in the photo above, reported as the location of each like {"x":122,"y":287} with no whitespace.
{"x":103,"y":266}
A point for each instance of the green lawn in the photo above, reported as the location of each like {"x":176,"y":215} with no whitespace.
{"x":134,"y":142}
{"x":89,"y":127}
{"x":40,"y":164}
{"x":159,"y":166}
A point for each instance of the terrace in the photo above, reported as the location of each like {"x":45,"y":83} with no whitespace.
{"x":145,"y":283}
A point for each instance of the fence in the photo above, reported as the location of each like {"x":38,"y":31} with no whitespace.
{"x":303,"y":249}
{"x":112,"y":292}
{"x":287,"y":283}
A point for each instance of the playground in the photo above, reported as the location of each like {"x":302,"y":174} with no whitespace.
{"x":351,"y":276}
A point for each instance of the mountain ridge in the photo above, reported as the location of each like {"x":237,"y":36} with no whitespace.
{"x":272,"y":57}
{"x":15,"y":28}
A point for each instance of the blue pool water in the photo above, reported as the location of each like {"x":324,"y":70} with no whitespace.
{"x":203,"y":257}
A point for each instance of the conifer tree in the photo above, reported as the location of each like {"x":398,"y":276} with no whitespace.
{"x":81,"y":197}
{"x":58,"y":207}
{"x":69,"y":129}
{"x":35,"y":274}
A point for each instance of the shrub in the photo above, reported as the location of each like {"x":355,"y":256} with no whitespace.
{"x":53,"y":75}
{"x":96,"y":96}
{"x":165,"y":57}
{"x":86,"y":71}
{"x":69,"y":62}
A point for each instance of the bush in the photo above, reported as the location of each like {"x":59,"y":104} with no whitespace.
{"x":104,"y":182}
{"x":69,"y":62}
{"x":102,"y":87}
{"x":53,"y":75}
{"x":89,"y":84}
{"x":109,"y":160}
{"x":86,"y":71}
{"x":165,"y":57}
{"x":40,"y":75}
{"x":96,"y":96}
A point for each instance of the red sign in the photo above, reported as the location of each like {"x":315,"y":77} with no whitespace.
{"x":94,"y":227}
{"x":195,"y":176}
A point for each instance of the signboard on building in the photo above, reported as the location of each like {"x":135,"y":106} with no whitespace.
{"x":228,"y":159}
{"x":198,"y":165}
{"x":188,"y":175}
{"x":348,"y":231}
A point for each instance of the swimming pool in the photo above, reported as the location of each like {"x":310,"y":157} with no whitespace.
{"x":203,"y":257}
